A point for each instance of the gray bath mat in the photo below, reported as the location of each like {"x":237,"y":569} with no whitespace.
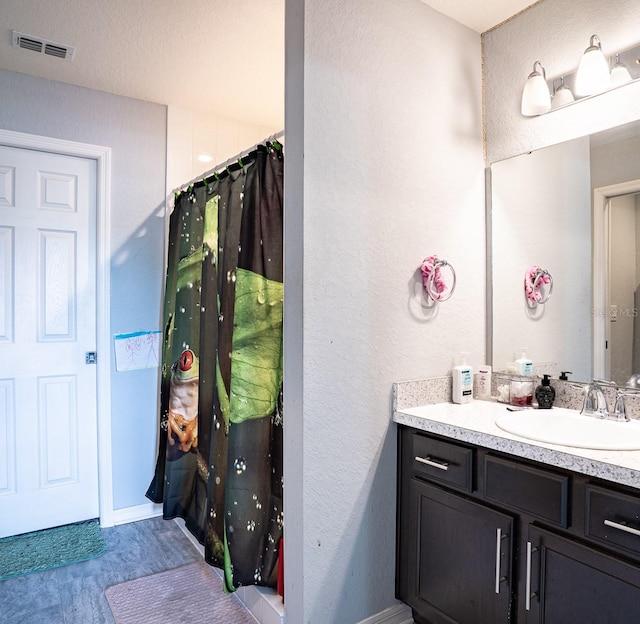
{"x":191,"y":593}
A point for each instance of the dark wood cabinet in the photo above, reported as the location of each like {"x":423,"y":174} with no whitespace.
{"x":572,"y":582}
{"x":484,"y":538}
{"x":459,"y":567}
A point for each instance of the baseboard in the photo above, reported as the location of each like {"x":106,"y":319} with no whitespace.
{"x":137,"y":512}
{"x":397,"y":614}
{"x":263,"y":603}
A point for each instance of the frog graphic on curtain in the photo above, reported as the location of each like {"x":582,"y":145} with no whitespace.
{"x":183,"y":403}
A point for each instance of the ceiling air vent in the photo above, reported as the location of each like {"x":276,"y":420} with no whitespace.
{"x":42,"y":46}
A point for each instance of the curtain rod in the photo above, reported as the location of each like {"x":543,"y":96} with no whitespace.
{"x":226,"y":163}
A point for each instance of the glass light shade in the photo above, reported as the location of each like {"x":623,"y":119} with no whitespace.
{"x":536,"y":98}
{"x":562,"y":96}
{"x":593,"y":71}
{"x":619,"y":74}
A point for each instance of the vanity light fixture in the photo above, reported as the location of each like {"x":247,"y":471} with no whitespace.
{"x":562,"y":95}
{"x":593,"y":74}
{"x":619,"y":73}
{"x":592,"y":78}
{"x":536,"y":98}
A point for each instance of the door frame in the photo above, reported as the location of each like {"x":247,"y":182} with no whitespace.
{"x":102,"y":156}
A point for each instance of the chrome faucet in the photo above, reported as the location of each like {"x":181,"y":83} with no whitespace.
{"x":595,"y":403}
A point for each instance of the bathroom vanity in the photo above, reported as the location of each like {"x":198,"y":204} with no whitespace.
{"x":492,"y":528}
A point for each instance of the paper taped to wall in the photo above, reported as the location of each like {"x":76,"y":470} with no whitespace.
{"x":137,"y":350}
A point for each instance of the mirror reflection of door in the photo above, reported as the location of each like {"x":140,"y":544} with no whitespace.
{"x":623,"y":309}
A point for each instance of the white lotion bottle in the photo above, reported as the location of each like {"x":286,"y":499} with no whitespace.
{"x":462,"y":376}
{"x":524,"y":366}
{"x":484,"y":383}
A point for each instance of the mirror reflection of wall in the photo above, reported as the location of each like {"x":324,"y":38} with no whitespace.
{"x":541,"y":210}
{"x":542,"y":213}
{"x":623,"y":354}
{"x":615,"y":173}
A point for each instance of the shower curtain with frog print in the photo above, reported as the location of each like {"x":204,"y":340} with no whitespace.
{"x":219,"y":462}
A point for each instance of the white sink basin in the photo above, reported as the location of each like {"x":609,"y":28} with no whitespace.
{"x":570,"y":428}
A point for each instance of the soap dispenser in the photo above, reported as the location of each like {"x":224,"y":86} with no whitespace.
{"x":524,"y":365}
{"x":545,"y":393}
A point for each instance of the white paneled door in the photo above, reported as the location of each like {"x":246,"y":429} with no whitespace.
{"x":48,"y":422}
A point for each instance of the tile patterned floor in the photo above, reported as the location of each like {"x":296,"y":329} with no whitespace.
{"x":75,"y":594}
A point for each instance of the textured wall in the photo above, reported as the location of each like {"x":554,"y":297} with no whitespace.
{"x":555,"y":32}
{"x":388,"y":106}
{"x":135,"y":131}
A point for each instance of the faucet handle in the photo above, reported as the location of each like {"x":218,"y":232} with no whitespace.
{"x":605,"y":382}
{"x":619,"y":410}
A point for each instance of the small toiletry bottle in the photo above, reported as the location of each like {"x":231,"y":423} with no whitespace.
{"x":545,"y":393}
{"x":524,"y":366}
{"x":484,"y":383}
{"x":462,"y":382}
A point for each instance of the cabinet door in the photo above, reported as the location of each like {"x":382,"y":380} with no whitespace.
{"x":569,"y":582}
{"x":459,"y":560}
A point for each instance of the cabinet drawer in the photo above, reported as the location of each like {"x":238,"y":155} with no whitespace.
{"x":444,"y":462}
{"x":613,"y":518}
{"x":539,"y":492}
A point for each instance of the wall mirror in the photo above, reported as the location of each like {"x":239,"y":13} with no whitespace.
{"x":573,"y":210}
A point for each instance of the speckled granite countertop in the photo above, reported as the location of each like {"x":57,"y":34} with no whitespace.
{"x":475,"y":423}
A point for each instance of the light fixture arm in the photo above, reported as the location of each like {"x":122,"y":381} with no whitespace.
{"x":594,"y":44}
{"x":535,"y":72}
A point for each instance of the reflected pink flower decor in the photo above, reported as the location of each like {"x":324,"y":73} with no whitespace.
{"x":529,"y":278}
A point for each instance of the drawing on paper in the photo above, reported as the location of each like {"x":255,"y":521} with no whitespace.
{"x":137,"y":350}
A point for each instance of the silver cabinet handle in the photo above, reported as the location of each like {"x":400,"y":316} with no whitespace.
{"x":527,"y":587}
{"x":431,"y":462}
{"x":622,"y":527}
{"x":498,"y":540}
